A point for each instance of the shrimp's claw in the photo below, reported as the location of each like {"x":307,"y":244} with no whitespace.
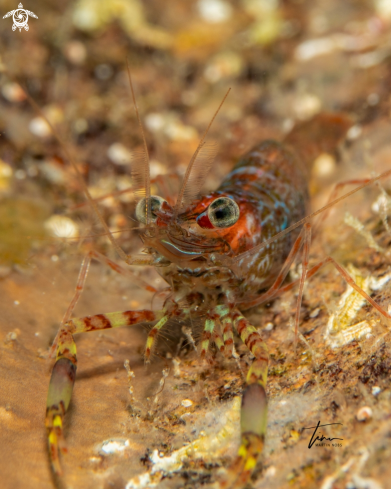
{"x":59,"y":396}
{"x":253,"y":428}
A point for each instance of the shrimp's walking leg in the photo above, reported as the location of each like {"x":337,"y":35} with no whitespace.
{"x":304,"y":265}
{"x":209,"y":332}
{"x":225,"y":343}
{"x":344,"y":274}
{"x":253,"y":415}
{"x":303,"y":240}
{"x":64,"y":370}
{"x":151,"y":336}
{"x":218,"y":339}
{"x":228,"y":336}
{"x":334,"y":194}
{"x":82,"y":279}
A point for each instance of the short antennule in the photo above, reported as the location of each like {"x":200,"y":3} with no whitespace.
{"x":194,"y":170}
{"x":140,"y":161}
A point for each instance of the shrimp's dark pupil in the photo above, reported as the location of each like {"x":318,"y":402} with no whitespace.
{"x":222,"y":213}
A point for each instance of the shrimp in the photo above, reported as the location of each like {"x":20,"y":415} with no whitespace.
{"x":221,"y":254}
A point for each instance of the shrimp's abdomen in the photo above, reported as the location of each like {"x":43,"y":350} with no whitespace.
{"x":270,"y":185}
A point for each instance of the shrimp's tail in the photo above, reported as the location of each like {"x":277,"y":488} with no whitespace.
{"x":321,"y":134}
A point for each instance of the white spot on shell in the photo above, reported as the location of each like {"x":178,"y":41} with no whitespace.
{"x":187,"y":403}
{"x":364,"y":414}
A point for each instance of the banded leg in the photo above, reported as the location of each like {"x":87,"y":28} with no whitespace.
{"x":209,"y":331}
{"x":218,"y":338}
{"x":64,"y":370}
{"x":228,"y":336}
{"x":253,"y":415}
{"x":81,"y":280}
{"x":151,"y":336}
{"x":219,"y":313}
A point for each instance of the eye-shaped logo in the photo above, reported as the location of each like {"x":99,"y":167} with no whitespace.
{"x":20,"y":17}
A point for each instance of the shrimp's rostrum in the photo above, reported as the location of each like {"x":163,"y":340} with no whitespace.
{"x":209,"y":250}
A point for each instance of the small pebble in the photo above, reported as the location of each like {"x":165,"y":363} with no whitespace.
{"x":306,"y":106}
{"x":119,"y":154}
{"x":376,"y":390}
{"x":315,"y":313}
{"x":61,"y":227}
{"x":354,"y":132}
{"x":110,"y":447}
{"x":269,"y":326}
{"x":214,"y":11}
{"x":39,"y":127}
{"x":80,"y":125}
{"x":11,"y":336}
{"x":103,"y":72}
{"x":324,"y":165}
{"x":187,"y":403}
{"x":270,"y":471}
{"x":154,"y":121}
{"x":5,"y":170}
{"x":76,"y":52}
{"x":364,"y":414}
{"x":13,"y":92}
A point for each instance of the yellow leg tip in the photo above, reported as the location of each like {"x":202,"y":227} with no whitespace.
{"x":52,"y":438}
{"x":57,"y":422}
{"x":250,"y":464}
{"x":242,"y":451}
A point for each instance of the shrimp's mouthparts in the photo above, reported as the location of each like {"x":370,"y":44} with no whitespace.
{"x":194,"y":248}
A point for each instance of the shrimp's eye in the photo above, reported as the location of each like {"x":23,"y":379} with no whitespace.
{"x":223,"y":212}
{"x":155,"y":205}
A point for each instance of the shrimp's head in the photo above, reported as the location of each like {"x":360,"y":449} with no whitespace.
{"x":190,"y":236}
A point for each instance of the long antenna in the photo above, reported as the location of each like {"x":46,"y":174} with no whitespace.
{"x":194,"y":157}
{"x":70,"y":158}
{"x":140,"y":172}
